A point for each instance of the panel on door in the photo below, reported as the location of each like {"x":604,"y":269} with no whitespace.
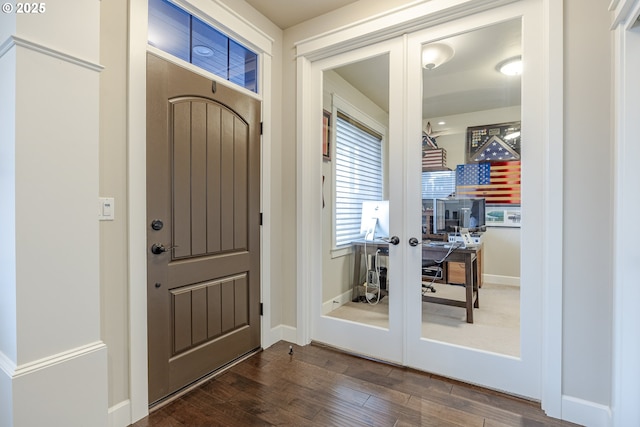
{"x":203,"y":197}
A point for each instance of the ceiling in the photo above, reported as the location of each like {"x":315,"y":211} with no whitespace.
{"x":287,"y":13}
{"x":469,"y":82}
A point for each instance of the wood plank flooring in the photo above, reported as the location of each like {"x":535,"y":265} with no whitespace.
{"x":318,"y":386}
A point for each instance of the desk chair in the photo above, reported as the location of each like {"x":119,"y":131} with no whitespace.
{"x":427,"y":271}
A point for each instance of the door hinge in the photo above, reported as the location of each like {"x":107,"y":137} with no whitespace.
{"x":260,"y":218}
{"x":261,"y":309}
{"x":261,"y":127}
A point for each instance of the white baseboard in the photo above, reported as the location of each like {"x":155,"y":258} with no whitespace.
{"x":501,"y":280}
{"x":281,"y":333}
{"x":119,"y":415}
{"x":65,"y":389}
{"x":336,"y":302}
{"x":585,"y":413}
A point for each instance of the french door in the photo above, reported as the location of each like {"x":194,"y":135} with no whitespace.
{"x":369,"y":292}
{"x":501,"y":133}
{"x":360,"y":153}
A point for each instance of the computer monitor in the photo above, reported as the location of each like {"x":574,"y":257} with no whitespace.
{"x":374,"y":221}
{"x":452,"y":214}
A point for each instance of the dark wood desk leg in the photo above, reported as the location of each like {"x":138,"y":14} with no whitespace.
{"x":469,"y":275}
{"x":355,"y":295}
{"x":476,"y":284}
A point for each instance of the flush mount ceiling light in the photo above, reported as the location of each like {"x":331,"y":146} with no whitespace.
{"x":436,"y":54}
{"x":201,"y":50}
{"x":511,"y":66}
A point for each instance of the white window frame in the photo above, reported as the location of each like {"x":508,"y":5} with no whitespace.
{"x":206,"y":20}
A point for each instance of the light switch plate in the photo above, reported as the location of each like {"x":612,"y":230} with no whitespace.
{"x":106,"y":209}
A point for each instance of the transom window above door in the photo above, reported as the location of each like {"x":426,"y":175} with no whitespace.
{"x":177,"y":32}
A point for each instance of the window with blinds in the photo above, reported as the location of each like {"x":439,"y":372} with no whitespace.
{"x":358,"y":175}
{"x":438,"y":184}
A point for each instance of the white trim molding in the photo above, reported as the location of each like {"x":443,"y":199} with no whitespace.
{"x":625,"y":410}
{"x":29,"y":368}
{"x":12,"y":41}
{"x":390,"y":24}
{"x":7,"y":365}
{"x":76,"y":375}
{"x":119,"y":415}
{"x":552,"y":321}
{"x":586,"y":413}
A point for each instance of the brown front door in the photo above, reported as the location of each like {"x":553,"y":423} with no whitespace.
{"x":203,"y":226}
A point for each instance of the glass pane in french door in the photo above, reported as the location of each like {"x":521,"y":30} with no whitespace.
{"x":355,"y":215}
{"x":470,"y":193}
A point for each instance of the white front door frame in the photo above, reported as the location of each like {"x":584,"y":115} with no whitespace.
{"x":392,"y":24}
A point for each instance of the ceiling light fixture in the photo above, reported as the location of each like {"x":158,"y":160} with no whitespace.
{"x":511,"y":66}
{"x":202,"y":50}
{"x":436,"y":54}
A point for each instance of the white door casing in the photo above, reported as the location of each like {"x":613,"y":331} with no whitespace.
{"x":626,"y":342}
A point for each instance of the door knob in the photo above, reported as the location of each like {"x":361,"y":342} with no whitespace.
{"x":157,"y":224}
{"x":413,"y":241}
{"x":159,"y":248}
{"x":394,"y":240}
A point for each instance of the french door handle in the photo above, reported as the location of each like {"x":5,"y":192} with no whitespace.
{"x":414,"y":242}
{"x":394,"y":240}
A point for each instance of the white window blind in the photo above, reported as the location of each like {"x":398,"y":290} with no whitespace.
{"x":358,"y":175}
{"x":438,"y":184}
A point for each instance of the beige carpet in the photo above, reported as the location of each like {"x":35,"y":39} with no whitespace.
{"x":496,"y":326}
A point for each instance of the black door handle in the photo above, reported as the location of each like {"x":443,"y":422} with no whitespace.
{"x":394,"y":240}
{"x":413,"y":241}
{"x":159,"y":248}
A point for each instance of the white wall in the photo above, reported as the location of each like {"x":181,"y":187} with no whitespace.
{"x":113,"y":183}
{"x":501,"y":245}
{"x":588,"y":203}
{"x":51,"y":350}
{"x":337,"y":271}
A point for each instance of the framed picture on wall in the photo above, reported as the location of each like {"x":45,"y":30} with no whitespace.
{"x":503,"y":216}
{"x":326,"y":135}
{"x":493,"y":143}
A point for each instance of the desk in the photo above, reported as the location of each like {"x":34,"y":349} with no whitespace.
{"x":470,"y":259}
{"x":359,"y":250}
{"x":467,"y":256}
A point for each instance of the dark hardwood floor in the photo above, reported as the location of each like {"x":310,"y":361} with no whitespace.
{"x":317,"y":386}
